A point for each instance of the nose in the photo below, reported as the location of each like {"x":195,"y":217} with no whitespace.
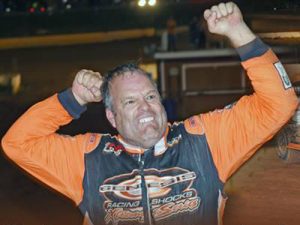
{"x":144,"y":105}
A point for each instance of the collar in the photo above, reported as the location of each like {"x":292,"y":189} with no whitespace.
{"x":159,"y":148}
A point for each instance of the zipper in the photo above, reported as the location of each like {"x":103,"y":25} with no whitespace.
{"x":144,"y":189}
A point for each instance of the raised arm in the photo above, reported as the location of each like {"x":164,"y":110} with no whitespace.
{"x":235,"y":133}
{"x":226,"y":19}
{"x":56,"y":160}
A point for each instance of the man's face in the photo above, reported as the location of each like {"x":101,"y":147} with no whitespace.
{"x":138,"y":114}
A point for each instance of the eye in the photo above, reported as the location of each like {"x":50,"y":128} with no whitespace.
{"x":129,"y":102}
{"x":151,"y":97}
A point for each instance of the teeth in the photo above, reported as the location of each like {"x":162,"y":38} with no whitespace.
{"x":145,"y":120}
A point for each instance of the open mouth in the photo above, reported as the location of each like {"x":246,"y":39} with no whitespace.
{"x":146,"y":119}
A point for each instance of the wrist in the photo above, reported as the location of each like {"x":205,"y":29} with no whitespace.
{"x":253,"y":49}
{"x":78,"y":99}
{"x":69,"y":102}
{"x":241,"y":35}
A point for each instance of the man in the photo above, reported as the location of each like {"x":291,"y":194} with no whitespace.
{"x":153,"y":172}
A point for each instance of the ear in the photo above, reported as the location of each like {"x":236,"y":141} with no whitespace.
{"x":111,"y":117}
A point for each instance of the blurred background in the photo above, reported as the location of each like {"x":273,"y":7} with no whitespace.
{"x":43,"y":43}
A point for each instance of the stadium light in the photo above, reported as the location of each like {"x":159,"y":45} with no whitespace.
{"x":152,"y":2}
{"x":142,"y":3}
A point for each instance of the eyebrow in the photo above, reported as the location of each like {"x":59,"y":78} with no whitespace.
{"x":126,"y":98}
{"x":152,"y":90}
{"x":132,"y":97}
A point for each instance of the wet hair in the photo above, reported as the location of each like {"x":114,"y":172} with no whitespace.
{"x":120,"y":70}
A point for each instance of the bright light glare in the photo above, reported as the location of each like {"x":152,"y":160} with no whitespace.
{"x":68,"y":6}
{"x":142,"y":3}
{"x":152,"y":2}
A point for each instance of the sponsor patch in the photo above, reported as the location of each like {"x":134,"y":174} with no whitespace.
{"x":192,"y":121}
{"x":117,"y":149}
{"x":170,"y":193}
{"x":283,"y":75}
{"x":174,"y":141}
{"x":92,"y":139}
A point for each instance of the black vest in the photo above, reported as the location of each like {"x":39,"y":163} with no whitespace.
{"x":181,"y":186}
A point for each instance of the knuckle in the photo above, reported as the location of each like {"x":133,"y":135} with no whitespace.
{"x":214,"y":8}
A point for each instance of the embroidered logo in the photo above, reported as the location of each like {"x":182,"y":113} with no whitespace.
{"x":174,"y":140}
{"x":283,"y":75}
{"x":169,"y":191}
{"x":192,"y":121}
{"x":113,"y":148}
{"x":92,"y":139}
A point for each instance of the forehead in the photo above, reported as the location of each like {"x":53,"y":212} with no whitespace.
{"x":131,"y":81}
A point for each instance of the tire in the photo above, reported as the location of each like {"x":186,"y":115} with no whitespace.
{"x":284,"y":137}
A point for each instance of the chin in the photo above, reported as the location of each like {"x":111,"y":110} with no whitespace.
{"x":151,"y":140}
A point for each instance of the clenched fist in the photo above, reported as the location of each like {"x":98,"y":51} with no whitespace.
{"x":86,"y":87}
{"x":226,"y":19}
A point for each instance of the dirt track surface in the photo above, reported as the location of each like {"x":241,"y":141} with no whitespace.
{"x":265,"y":191}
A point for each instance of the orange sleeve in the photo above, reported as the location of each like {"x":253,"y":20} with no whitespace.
{"x":235,"y":134}
{"x":56,"y":160}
